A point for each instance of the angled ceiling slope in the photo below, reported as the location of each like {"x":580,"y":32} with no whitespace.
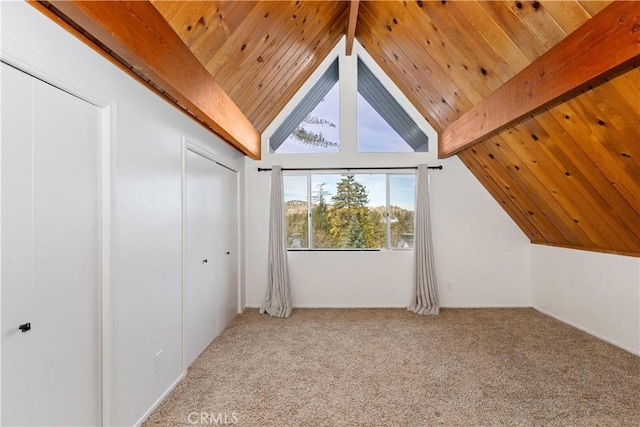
{"x":260,"y":53}
{"x":569,"y":176}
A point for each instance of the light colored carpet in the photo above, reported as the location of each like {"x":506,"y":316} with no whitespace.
{"x":390,"y":367}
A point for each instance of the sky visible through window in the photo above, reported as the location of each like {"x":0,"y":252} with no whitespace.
{"x":328,"y":112}
{"x":374,"y":133}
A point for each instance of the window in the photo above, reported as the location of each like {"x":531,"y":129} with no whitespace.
{"x":296,"y":211}
{"x":375,"y":135}
{"x":349,"y":211}
{"x":401,"y":210}
{"x":383,"y":125}
{"x":313,"y":126}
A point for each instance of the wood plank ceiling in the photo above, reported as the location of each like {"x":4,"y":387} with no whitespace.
{"x":260,"y":53}
{"x":569,"y":176}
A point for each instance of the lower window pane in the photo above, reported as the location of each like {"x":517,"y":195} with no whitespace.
{"x":402,"y":210}
{"x":347,"y":211}
{"x":296,"y":215}
{"x":323,"y":190}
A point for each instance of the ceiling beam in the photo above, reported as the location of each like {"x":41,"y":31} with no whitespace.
{"x":351,"y":25}
{"x":605,"y":45}
{"x":137,"y":32}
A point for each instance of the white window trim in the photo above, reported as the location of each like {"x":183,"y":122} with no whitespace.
{"x":348,"y":110}
{"x":373,"y":171}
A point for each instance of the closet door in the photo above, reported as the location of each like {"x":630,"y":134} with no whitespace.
{"x":228,"y":296}
{"x":50,"y":255}
{"x":201,"y":313}
{"x":211,"y":273}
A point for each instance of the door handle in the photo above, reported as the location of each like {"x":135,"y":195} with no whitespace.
{"x":204,"y":261}
{"x":25,"y":327}
{"x":228,"y":253}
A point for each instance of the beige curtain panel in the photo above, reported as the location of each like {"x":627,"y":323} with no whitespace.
{"x":278,"y":300}
{"x":425,"y":288}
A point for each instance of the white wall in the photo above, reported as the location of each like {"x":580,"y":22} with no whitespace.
{"x":149,"y":131}
{"x":596,"y":292}
{"x":482,"y":257}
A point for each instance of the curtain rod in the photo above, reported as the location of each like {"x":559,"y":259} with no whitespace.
{"x":351,"y":169}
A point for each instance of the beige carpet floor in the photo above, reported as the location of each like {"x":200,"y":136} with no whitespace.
{"x":389,"y":367}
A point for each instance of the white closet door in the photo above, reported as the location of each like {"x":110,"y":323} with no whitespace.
{"x":50,"y":255}
{"x":211,"y":253}
{"x":200,"y":299}
{"x":228,"y":298}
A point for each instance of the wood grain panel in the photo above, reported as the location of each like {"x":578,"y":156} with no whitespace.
{"x":505,"y":15}
{"x":425,"y":82}
{"x":260,"y":53}
{"x":601,"y":48}
{"x":204,"y":25}
{"x":325,"y":25}
{"x":539,"y":23}
{"x":570,"y":154}
{"x":536,"y":206}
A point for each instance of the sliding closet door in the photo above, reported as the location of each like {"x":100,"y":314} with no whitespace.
{"x":210,"y":253}
{"x":50,"y":255}
{"x":201,"y":314}
{"x":228,"y":296}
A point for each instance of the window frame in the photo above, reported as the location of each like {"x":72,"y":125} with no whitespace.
{"x":348,"y":107}
{"x":329,"y":80}
{"x":386,"y":173}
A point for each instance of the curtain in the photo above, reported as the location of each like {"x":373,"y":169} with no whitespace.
{"x":278,"y":300}
{"x":425,"y":289}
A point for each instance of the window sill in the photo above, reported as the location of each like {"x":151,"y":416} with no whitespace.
{"x":349,"y":250}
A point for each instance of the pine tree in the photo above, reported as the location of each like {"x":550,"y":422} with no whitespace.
{"x":320,"y":218}
{"x":375,"y":231}
{"x":355,"y":236}
{"x":351,"y":199}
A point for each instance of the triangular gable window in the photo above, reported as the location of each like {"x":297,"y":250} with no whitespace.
{"x":375,"y":135}
{"x":383,"y":125}
{"x":312,"y":127}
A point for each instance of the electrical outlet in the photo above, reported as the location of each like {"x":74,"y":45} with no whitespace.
{"x":449,"y":287}
{"x":158,"y":362}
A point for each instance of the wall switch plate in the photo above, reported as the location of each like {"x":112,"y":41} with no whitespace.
{"x":158,"y":361}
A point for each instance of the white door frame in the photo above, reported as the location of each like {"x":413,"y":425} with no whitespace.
{"x":190,"y":144}
{"x":22,"y":58}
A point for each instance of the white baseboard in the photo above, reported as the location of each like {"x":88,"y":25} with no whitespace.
{"x":485,"y":306}
{"x":402,"y":306}
{"x":589,"y":331}
{"x":159,"y":401}
{"x":339,"y":306}
{"x":349,"y":306}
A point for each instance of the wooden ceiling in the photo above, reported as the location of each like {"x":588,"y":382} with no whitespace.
{"x":260,"y":53}
{"x":568,"y":176}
